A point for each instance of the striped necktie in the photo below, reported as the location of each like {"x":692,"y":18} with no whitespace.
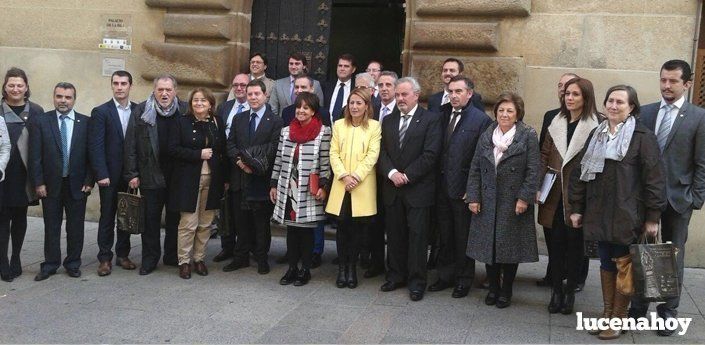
{"x":665,"y":127}
{"x":404,"y":127}
{"x":64,"y":146}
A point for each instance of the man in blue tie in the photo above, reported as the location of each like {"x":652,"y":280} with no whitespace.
{"x":252,"y":147}
{"x":680,"y":130}
{"x":226,"y":112}
{"x":61,"y":175}
{"x":336,"y":94}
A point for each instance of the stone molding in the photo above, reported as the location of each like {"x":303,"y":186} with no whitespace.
{"x":456,"y":8}
{"x":201,"y":48}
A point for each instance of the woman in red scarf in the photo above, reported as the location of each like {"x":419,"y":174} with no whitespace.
{"x":301,"y":169}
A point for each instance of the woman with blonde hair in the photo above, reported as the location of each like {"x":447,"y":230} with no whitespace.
{"x":353,"y":198}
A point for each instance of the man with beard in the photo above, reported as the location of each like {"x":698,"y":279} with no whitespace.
{"x":148,"y":166}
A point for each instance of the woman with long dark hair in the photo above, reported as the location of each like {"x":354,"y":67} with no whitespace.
{"x":566,"y":136}
{"x":16,"y":193}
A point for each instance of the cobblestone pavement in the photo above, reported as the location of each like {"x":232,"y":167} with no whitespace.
{"x":244,"y":307}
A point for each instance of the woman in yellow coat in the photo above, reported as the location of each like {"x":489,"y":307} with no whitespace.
{"x":354,"y":150}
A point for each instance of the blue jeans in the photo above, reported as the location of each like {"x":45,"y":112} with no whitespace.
{"x":319,"y":239}
{"x":608,"y":251}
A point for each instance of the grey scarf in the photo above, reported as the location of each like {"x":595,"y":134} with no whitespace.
{"x":151,"y":109}
{"x":594,"y":160}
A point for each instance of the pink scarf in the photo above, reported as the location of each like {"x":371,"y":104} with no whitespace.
{"x":502,"y":141}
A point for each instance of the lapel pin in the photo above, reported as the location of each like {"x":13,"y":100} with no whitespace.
{"x":194,"y":131}
{"x":78,"y":120}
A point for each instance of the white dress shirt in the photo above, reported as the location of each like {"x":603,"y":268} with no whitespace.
{"x":124,"y":114}
{"x":233,"y":112}
{"x":389,"y":107}
{"x":346,"y":93}
{"x":401,"y":122}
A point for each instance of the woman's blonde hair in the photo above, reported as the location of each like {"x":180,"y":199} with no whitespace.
{"x":369,"y":111}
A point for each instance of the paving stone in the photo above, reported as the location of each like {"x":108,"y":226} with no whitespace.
{"x":296,"y":334}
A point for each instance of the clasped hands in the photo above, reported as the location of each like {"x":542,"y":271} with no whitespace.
{"x":399,"y":179}
{"x":520,"y":207}
{"x":350,"y":183}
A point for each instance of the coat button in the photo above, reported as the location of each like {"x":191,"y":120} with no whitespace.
{"x":513,"y":169}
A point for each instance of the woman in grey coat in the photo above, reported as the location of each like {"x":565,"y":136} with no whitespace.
{"x":501,"y":188}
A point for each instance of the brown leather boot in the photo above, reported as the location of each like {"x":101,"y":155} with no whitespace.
{"x":620,"y":306}
{"x":185,"y":271}
{"x":609,"y":283}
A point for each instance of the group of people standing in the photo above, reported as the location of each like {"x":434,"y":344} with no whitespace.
{"x":365,"y":154}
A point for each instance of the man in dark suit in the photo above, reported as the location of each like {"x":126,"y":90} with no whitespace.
{"x":148,"y":166}
{"x":107,"y":128}
{"x":335,"y":95}
{"x":283,"y":93}
{"x":304,"y":83}
{"x":252,"y":147}
{"x":547,"y":119}
{"x":226,"y":112}
{"x":411,"y":144}
{"x":463,"y":125}
{"x":374,"y":68}
{"x":680,"y":130}
{"x":451,"y":68}
{"x":62,"y":177}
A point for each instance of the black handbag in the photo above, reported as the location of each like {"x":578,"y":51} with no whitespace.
{"x":655,"y":270}
{"x":224,"y":216}
{"x":130,"y":212}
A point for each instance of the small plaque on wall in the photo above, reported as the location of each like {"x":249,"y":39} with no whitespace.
{"x":116,"y":32}
{"x":112,"y":64}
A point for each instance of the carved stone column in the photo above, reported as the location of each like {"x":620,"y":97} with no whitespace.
{"x":468,"y":30}
{"x":205,"y":43}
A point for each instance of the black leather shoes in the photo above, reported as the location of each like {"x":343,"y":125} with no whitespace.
{"x":416,"y":295}
{"x":665,"y":315}
{"x":491,"y":298}
{"x":43,"y":275}
{"x":303,"y":277}
{"x":556,"y":300}
{"x":390,"y":286}
{"x":146,"y":270}
{"x":7,"y":278}
{"x":568,"y":302}
{"x":263,"y":267}
{"x":503,"y":301}
{"x":580,"y":287}
{"x":235,"y":265}
{"x":316,"y":260}
{"x":290,"y":276}
{"x":439,"y":285}
{"x":73,"y":273}
{"x":222,"y":256}
{"x":460,"y":290}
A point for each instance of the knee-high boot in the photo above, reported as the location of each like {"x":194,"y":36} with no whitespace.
{"x":620,"y":305}
{"x":609,"y":282}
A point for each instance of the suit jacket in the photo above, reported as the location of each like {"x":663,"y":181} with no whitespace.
{"x":434,"y":102}
{"x":416,"y":158}
{"x":280,"y":97}
{"x":683,"y":156}
{"x":459,"y":149}
{"x":328,"y":89}
{"x":547,"y":119}
{"x":265,"y":141}
{"x":46,"y":158}
{"x":289,"y":113}
{"x":106,"y":141}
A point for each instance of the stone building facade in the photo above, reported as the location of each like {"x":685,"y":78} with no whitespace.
{"x":517,"y":45}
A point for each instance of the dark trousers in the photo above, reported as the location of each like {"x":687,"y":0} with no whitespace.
{"x":674,"y":228}
{"x":348,"y":240}
{"x":13,"y":223}
{"x":319,"y":239}
{"x":252,"y":228}
{"x":151,"y":237}
{"x":407,"y":235}
{"x":567,"y":257}
{"x":227,"y":242}
{"x":373,"y":239}
{"x":171,"y":232}
{"x":549,"y":250}
{"x":501,"y":277}
{"x":299,"y":246}
{"x":609,"y":251}
{"x":54,"y":209}
{"x":106,"y":224}
{"x":584,"y":269}
{"x":454,"y":224}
